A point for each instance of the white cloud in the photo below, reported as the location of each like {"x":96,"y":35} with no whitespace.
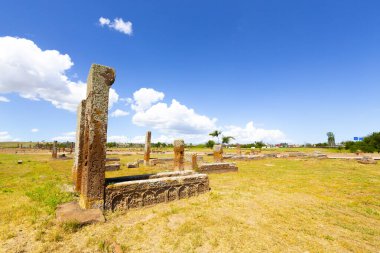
{"x":118,"y":138}
{"x":34,"y":130}
{"x":119,"y":113}
{"x":144,"y":98}
{"x":4,"y":99}
{"x":5,"y":136}
{"x":118,"y":24}
{"x":128,"y":101}
{"x":69,"y":136}
{"x":38,"y":74}
{"x":104,"y":21}
{"x":250,"y":134}
{"x":177,"y":121}
{"x":174,"y":118}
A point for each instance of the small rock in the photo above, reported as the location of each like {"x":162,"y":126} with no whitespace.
{"x":19,"y":162}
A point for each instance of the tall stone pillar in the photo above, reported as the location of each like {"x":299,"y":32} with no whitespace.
{"x":238,"y":149}
{"x":54,"y":150}
{"x":99,"y":81}
{"x":218,"y":153}
{"x":147,"y":148}
{"x":78,"y":155}
{"x":194,"y":162}
{"x":179,"y":155}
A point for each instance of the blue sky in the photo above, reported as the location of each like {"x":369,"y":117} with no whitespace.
{"x":259,"y":70}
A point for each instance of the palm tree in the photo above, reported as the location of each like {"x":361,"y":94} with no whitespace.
{"x":227,"y":139}
{"x":216,"y":134}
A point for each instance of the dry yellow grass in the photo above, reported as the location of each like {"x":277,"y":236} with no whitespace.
{"x":272,"y":205}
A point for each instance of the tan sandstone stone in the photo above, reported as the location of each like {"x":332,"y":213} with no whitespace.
{"x":179,"y":155}
{"x":99,"y":82}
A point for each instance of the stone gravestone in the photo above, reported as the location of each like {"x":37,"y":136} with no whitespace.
{"x":238,"y":150}
{"x":99,"y":81}
{"x":78,"y":155}
{"x":194,"y":162}
{"x":147,"y":148}
{"x":179,"y":154}
{"x":218,"y":153}
{"x":54,"y":150}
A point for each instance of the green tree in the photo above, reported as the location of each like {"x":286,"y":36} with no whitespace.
{"x":210,"y":144}
{"x":226,"y":139}
{"x":259,"y":144}
{"x":216,"y":134}
{"x":331,"y":139}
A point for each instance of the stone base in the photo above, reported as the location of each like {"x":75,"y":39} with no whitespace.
{"x":156,"y":161}
{"x":217,"y":168}
{"x":71,"y":212}
{"x":151,"y":189}
{"x":112,"y":167}
{"x":112,"y":159}
{"x":367,"y":160}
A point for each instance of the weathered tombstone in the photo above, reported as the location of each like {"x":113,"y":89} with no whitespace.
{"x":179,"y":154}
{"x":238,"y":149}
{"x":99,"y":82}
{"x":78,"y":155}
{"x":54,"y":150}
{"x":147,"y":147}
{"x":218,"y":153}
{"x":194,"y":162}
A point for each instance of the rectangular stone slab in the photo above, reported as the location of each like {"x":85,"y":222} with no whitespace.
{"x":148,"y":192}
{"x":217,"y":168}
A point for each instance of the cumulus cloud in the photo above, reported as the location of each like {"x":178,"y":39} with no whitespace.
{"x":175,"y":118}
{"x":5,"y":136}
{"x":38,"y":74}
{"x":250,"y":134}
{"x":117,"y":24}
{"x":118,"y":138}
{"x":69,"y":136}
{"x":104,"y":21}
{"x":144,"y":98}
{"x":177,"y":121}
{"x":119,"y":113}
{"x":34,"y":130}
{"x":4,"y":99}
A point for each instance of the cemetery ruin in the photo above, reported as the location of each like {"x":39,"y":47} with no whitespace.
{"x":90,"y":159}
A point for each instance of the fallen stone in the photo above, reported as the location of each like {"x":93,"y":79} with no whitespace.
{"x":132,"y":165}
{"x":367,"y":160}
{"x":112,"y":167}
{"x":217,"y":168}
{"x":19,"y":162}
{"x":113,"y":159}
{"x":71,"y":212}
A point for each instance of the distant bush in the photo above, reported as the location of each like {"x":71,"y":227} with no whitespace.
{"x":370,"y":144}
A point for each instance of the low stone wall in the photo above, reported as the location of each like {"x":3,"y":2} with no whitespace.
{"x":148,"y":190}
{"x":217,"y":168}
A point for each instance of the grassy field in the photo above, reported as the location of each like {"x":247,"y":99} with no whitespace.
{"x":275,"y":205}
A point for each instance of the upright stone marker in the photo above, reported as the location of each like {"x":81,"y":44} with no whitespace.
{"x":179,"y":155}
{"x":147,"y":148}
{"x":54,"y":150}
{"x":238,"y":149}
{"x":194,"y":162}
{"x":99,"y":81}
{"x":78,"y":155}
{"x":218,"y":153}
